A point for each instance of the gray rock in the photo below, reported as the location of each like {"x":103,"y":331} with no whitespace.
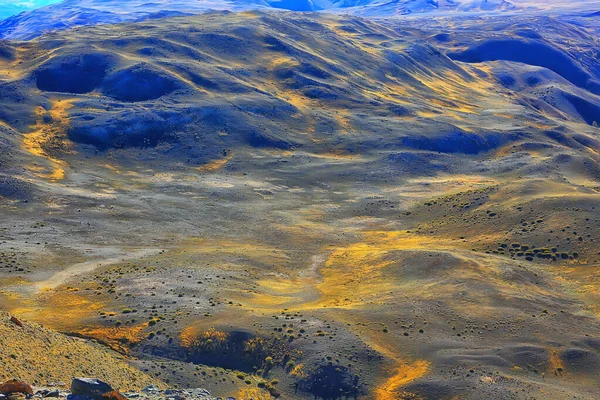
{"x":52,"y":385}
{"x":89,"y":387}
{"x":150,"y":389}
{"x":199,"y":392}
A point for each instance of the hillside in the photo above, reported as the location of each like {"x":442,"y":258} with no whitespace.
{"x":41,"y":356}
{"x":256,"y":203}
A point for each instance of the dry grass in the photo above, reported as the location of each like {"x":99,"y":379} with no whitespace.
{"x":49,"y":134}
{"x":41,"y":356}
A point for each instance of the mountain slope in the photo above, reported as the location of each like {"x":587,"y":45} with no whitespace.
{"x":8,"y":8}
{"x":59,"y":358}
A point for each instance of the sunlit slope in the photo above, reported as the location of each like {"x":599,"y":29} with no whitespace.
{"x":57,"y":357}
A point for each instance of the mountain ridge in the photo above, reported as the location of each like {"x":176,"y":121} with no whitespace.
{"x":71,"y":13}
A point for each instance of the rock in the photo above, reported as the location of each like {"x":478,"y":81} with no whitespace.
{"x":15,"y":386}
{"x":57,"y":384}
{"x":150,"y":389}
{"x":16,"y":321}
{"x":199,"y":392}
{"x":90,"y":387}
{"x":113,"y":395}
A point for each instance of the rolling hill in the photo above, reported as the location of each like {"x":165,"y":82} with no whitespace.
{"x":72,"y":13}
{"x":260,"y":202}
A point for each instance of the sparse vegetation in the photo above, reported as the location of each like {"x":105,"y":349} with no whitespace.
{"x":305,"y":203}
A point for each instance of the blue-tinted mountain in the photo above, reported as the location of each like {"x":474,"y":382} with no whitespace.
{"x":72,"y":13}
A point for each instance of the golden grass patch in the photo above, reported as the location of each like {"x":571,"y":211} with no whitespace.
{"x":49,"y":133}
{"x":253,"y":393}
{"x":400,"y":376}
{"x":117,"y":338}
{"x":216,"y":164}
{"x":62,"y":310}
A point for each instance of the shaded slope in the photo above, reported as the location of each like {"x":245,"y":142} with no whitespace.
{"x":527,"y":52}
{"x":80,"y":73}
{"x":540,"y":85}
{"x":550,"y":74}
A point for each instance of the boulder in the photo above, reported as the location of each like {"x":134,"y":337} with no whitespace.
{"x":90,"y":387}
{"x":15,"y":386}
{"x":151,"y":389}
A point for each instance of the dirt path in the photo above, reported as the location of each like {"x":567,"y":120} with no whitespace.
{"x":87,"y":267}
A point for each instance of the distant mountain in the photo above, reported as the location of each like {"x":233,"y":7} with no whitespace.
{"x":10,"y":7}
{"x":403,"y":7}
{"x":72,"y":13}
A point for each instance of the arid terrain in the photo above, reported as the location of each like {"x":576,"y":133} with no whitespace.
{"x":300,"y":205}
